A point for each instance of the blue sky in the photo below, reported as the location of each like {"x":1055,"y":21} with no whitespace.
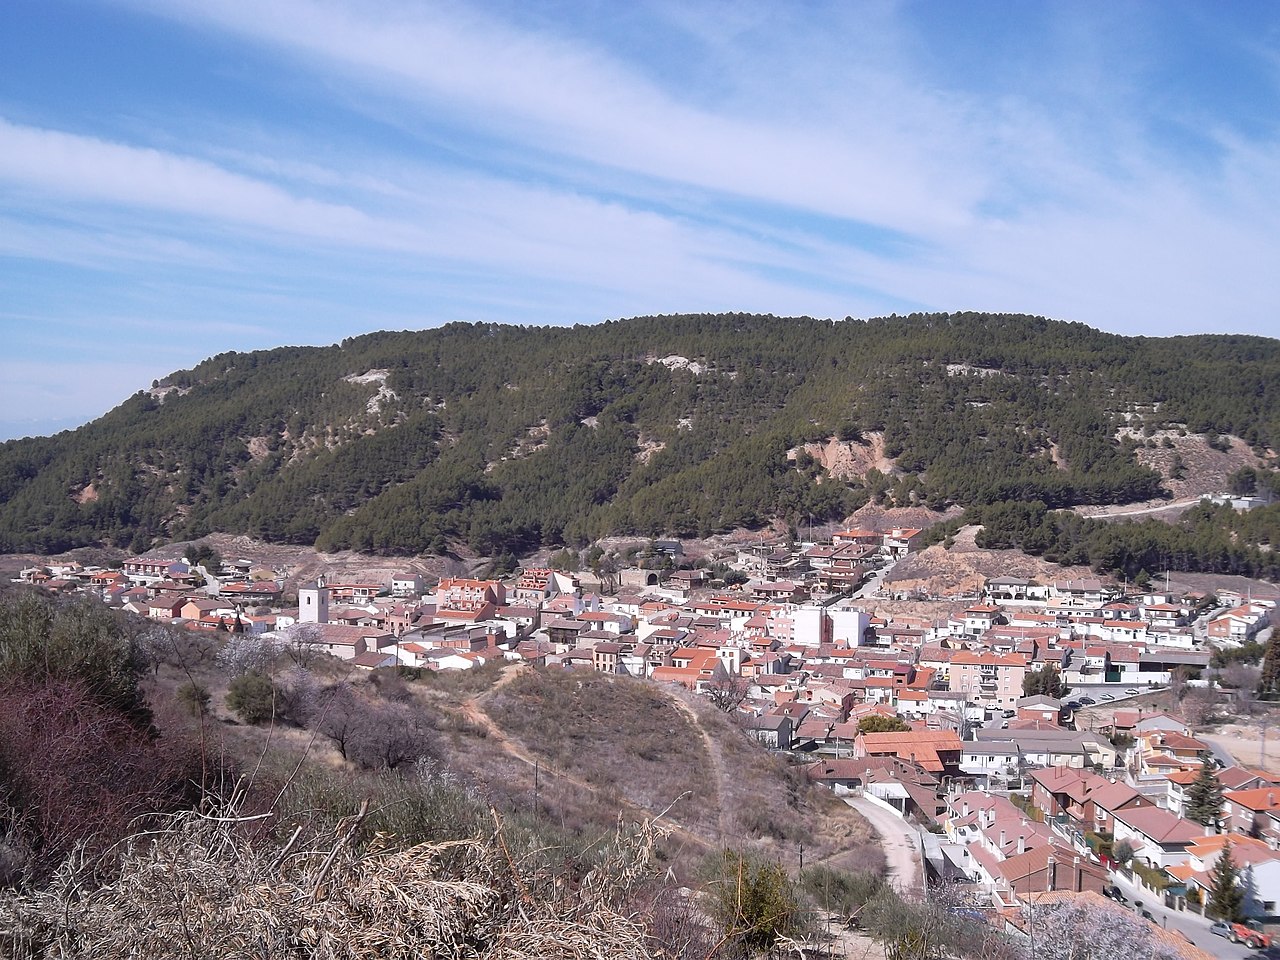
{"x":184,"y":177}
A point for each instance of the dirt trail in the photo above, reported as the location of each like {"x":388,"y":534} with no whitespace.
{"x":475,"y":712}
{"x":713,"y":757}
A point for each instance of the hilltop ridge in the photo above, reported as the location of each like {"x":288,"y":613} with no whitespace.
{"x":502,"y":439}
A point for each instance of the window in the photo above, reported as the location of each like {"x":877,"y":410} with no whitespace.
{"x":1268,"y":906}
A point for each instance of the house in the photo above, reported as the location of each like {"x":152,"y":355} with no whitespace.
{"x":1249,"y":811}
{"x":355,"y":592}
{"x":1259,"y":867}
{"x":1157,"y":836}
{"x":900,"y":541}
{"x":988,"y":678}
{"x":1041,"y":708}
{"x":991,"y":763}
{"x":1084,"y":798}
{"x":456,"y":593}
{"x":1015,"y":590}
{"x":144,"y":571}
{"x":343,"y":642}
{"x":408,"y":584}
{"x":773,"y":730}
{"x":936,"y":751}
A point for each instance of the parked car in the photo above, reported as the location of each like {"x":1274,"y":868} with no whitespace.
{"x":1112,"y":892}
{"x":1132,"y":691}
{"x":1088,"y":701}
{"x":1254,"y":939}
{"x":1108,"y":696}
{"x":1221,"y":929}
{"x":1146,"y":915}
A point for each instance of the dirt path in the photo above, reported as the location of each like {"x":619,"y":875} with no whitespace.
{"x":713,"y":757}
{"x":901,"y":845}
{"x":1108,"y":513}
{"x":473,"y":710}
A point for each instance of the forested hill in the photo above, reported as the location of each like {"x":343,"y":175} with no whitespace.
{"x":507,"y":438}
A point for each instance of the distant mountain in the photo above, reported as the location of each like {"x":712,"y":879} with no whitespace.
{"x":509,"y":438}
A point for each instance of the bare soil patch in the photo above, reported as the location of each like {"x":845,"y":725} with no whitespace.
{"x":849,"y":459}
{"x":964,"y":568}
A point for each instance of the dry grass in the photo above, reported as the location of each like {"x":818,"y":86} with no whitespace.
{"x":629,"y":742}
{"x":614,"y":734}
{"x":203,"y":888}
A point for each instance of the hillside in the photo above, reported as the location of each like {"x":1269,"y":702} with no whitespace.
{"x":499,"y":440}
{"x":604,"y":743}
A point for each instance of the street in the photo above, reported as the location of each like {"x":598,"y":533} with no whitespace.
{"x":1195,"y":928}
{"x":901,"y":844}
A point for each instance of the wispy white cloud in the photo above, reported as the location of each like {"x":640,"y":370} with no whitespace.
{"x":570,"y":99}
{"x":532,"y":164}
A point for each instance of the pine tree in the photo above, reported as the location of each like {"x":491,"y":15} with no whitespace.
{"x":1270,"y":679}
{"x":1043,"y":681}
{"x":1227,"y":898}
{"x":1204,"y":796}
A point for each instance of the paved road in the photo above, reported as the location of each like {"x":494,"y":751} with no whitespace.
{"x":901,"y":844}
{"x":873,"y":582}
{"x":1195,"y":928}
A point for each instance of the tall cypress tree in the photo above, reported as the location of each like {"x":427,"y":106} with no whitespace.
{"x":1204,"y":796}
{"x":1227,"y":898}
{"x":1270,"y":679}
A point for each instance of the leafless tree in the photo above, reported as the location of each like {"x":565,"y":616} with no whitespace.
{"x":297,"y":696}
{"x":1070,"y":929}
{"x":373,"y":735}
{"x":302,"y":643}
{"x":339,"y":714}
{"x":1241,"y":681}
{"x":1178,"y":683}
{"x":393,"y":734}
{"x":167,"y":645}
{"x":1198,"y":705}
{"x":246,"y":653}
{"x":727,"y":690}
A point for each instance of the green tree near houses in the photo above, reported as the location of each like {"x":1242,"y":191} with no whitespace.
{"x":1226,"y":900}
{"x":1270,"y":679}
{"x":1204,"y":796}
{"x":881,"y":724}
{"x":1045,"y":681}
{"x":754,"y":901}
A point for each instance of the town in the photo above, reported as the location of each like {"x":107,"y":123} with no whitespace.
{"x":954,"y":728}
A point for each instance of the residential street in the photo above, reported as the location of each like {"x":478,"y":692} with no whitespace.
{"x":1195,"y":928}
{"x":901,"y":845}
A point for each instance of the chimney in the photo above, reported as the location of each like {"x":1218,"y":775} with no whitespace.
{"x":964,"y":810}
{"x":1002,"y":840}
{"x":1051,"y":871}
{"x":1022,"y":843}
{"x":1077,"y":875}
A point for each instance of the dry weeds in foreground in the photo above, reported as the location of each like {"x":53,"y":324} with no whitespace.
{"x":202,"y":887}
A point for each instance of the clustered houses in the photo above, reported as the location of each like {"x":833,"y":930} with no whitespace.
{"x":172,"y":590}
{"x":926,"y":715}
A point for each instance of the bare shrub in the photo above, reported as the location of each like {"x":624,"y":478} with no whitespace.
{"x":199,"y":889}
{"x":246,"y":653}
{"x":1076,"y":929}
{"x":77,"y":772}
{"x":372,"y":735}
